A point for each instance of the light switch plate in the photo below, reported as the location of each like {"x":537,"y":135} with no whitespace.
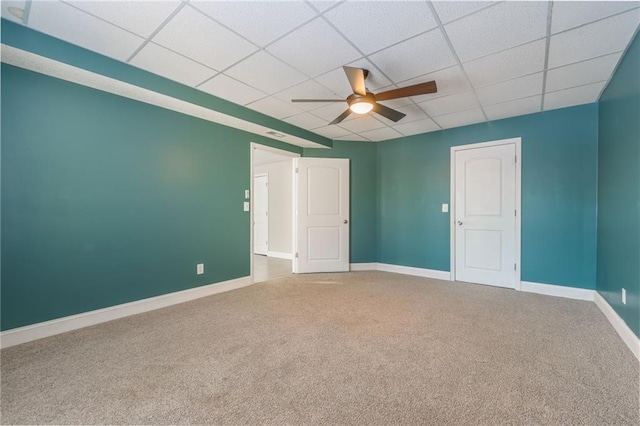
{"x":246,"y":206}
{"x":246,"y":194}
{"x":445,"y":208}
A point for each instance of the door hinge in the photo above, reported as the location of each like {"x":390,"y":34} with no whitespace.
{"x":296,"y":170}
{"x":515,"y":212}
{"x":516,"y":158}
{"x":296,"y":255}
{"x":515,"y":268}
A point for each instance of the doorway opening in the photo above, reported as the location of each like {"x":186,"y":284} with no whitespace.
{"x":271,"y":212}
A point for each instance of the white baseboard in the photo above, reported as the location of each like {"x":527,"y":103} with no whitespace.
{"x":557,"y":290}
{"x":418,"y":272}
{"x":621,"y":327}
{"x":363,"y":266}
{"x":28,"y":333}
{"x":279,"y":255}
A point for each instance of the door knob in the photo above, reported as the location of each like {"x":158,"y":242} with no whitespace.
{"x":459,"y":222}
{"x":345,"y":221}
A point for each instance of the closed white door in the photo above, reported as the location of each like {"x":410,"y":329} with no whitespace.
{"x":261,"y":214}
{"x":485,"y":215}
{"x":321,"y":225}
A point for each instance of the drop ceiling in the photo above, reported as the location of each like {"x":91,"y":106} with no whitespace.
{"x":490,"y":60}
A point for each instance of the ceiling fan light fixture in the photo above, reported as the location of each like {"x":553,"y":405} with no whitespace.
{"x":361,"y":106}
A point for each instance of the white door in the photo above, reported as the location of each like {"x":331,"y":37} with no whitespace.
{"x":321,"y":224}
{"x":260,"y":214}
{"x":485,"y":215}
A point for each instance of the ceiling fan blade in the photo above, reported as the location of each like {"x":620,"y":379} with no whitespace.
{"x":387,"y":112}
{"x":341,"y":116}
{"x":356,"y":79}
{"x":317,"y":100}
{"x":416,"y":89}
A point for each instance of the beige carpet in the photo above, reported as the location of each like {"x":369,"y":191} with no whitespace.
{"x":355,"y":348}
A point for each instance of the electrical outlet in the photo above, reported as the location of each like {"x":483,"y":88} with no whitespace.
{"x":200,"y":268}
{"x":445,"y":208}
{"x":624,"y":296}
{"x":245,"y":206}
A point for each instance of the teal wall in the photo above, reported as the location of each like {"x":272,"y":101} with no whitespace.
{"x":363,"y":207}
{"x":559,"y":155}
{"x":619,"y":189}
{"x":106,"y":200}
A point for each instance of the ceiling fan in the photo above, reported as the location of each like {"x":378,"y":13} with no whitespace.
{"x":361,"y":101}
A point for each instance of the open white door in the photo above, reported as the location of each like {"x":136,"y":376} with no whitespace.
{"x":321,"y":216}
{"x":485,"y":194}
{"x":260,"y":214}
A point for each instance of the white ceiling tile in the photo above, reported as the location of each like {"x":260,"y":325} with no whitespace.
{"x":197,"y":36}
{"x":462,"y":118}
{"x":332,"y":131}
{"x":574,"y":96}
{"x":330,"y":111}
{"x":448,"y":81}
{"x":449,"y":104}
{"x":508,"y":64}
{"x":307,"y":90}
{"x":140,"y":17}
{"x":382,"y":134}
{"x":232,"y":90}
{"x":260,"y":21}
{"x":70,"y":24}
{"x":374,"y":25}
{"x":266,"y":73}
{"x":413,"y":113}
{"x":570,"y":14}
{"x":514,"y":108}
{"x":10,"y":3}
{"x":450,"y":10}
{"x":416,"y":127}
{"x":306,"y":121}
{"x":597,"y":39}
{"x":420,"y":55}
{"x":166,"y":63}
{"x":581,"y":73}
{"x":314,"y":49}
{"x":498,"y":28}
{"x":509,"y":90}
{"x":274,"y":107}
{"x":352,"y":137}
{"x":362,"y":123}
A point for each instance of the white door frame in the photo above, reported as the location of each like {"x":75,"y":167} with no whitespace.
{"x":253,"y":206}
{"x":452,"y":200}
{"x":253,"y":146}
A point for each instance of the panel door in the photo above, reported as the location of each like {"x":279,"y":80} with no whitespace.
{"x":485,"y":215}
{"x":322,"y":215}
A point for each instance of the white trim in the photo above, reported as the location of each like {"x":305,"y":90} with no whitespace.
{"x":28,"y":333}
{"x":557,"y":290}
{"x":418,"y":272}
{"x":363,"y":266}
{"x":621,"y":327}
{"x":279,"y":255}
{"x":47,"y":66}
{"x":452,"y":201}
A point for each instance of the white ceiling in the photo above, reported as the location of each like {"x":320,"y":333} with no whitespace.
{"x":490,"y":60}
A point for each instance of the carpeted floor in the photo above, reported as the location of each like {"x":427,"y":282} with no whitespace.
{"x":355,"y":348}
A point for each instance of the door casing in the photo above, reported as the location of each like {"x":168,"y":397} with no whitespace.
{"x":452,"y":207}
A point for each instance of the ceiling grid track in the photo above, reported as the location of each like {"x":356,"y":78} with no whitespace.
{"x":546,"y":55}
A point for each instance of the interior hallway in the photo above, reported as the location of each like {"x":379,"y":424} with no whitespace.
{"x":267,"y":268}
